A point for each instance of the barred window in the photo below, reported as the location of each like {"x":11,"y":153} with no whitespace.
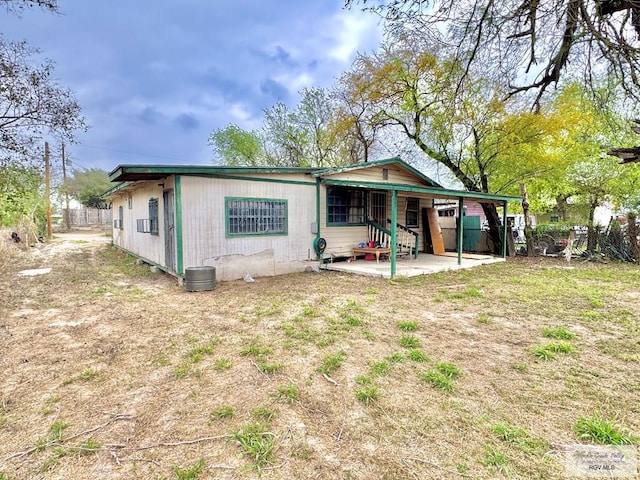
{"x":153,"y":216}
{"x":256,"y":216}
{"x":345,"y":206}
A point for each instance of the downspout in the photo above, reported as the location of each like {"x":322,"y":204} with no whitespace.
{"x":460,"y":232}
{"x":504,"y":230}
{"x":179,"y":253}
{"x":318,"y":213}
{"x":318,"y":207}
{"x":394,"y":230}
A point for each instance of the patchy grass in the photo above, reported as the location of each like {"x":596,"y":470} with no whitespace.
{"x":596,"y":429}
{"x":257,"y":444}
{"x":160,"y":392}
{"x":558,"y":333}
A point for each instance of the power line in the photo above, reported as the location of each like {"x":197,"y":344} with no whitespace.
{"x":127,"y":152}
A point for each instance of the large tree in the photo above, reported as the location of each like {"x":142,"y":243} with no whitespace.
{"x":310,"y":134}
{"x":527,"y":44}
{"x":32,"y":103}
{"x":88,"y":186}
{"x":471,"y":131}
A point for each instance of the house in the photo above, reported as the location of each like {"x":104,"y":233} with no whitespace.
{"x":269,"y":221}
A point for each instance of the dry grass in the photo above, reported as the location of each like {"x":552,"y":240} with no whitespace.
{"x":135,"y":369}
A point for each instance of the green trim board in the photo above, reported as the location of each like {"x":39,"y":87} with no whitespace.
{"x":178,"y":220}
{"x":123,"y":173}
{"x":435,"y":191}
{"x":116,"y":189}
{"x":375,"y":163}
{"x":394,"y":231}
{"x":227,"y":217}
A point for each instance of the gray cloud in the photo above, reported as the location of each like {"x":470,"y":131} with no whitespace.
{"x":142,"y":69}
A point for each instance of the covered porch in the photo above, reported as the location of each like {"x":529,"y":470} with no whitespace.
{"x":424,"y":264}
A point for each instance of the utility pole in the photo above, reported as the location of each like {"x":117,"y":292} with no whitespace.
{"x":67,"y":214}
{"x":47,"y":182}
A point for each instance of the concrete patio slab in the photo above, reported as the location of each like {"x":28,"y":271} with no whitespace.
{"x":409,"y":267}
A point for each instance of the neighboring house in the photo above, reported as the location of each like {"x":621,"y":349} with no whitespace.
{"x":269,"y":221}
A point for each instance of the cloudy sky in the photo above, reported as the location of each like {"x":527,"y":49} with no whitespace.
{"x":155,"y":77}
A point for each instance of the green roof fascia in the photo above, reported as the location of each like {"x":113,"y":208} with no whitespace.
{"x":199,"y":170}
{"x":375,"y":163}
{"x":116,"y":189}
{"x":437,"y":191}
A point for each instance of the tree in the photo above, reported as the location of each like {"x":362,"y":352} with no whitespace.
{"x":21,"y":195}
{"x":32,"y":104}
{"x":17,"y":6}
{"x":88,"y":186}
{"x":529,"y":44}
{"x":235,"y":146}
{"x":307,"y":135}
{"x":472,"y":132}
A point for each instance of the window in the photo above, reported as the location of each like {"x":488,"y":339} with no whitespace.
{"x":120,"y":217}
{"x":412,"y":212}
{"x":153,"y":216}
{"x":449,"y":212}
{"x":256,"y":216}
{"x":378,"y":210}
{"x":345,"y":206}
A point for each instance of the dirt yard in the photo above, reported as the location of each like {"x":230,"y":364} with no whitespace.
{"x":110,"y":371}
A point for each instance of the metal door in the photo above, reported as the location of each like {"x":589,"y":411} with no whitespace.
{"x":169,"y":230}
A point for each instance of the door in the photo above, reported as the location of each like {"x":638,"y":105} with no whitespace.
{"x":378,"y":208}
{"x":428,"y":243}
{"x":169,"y":230}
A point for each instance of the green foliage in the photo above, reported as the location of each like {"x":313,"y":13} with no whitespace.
{"x":287,"y":393}
{"x":596,"y":429}
{"x":234,"y":146}
{"x":263,"y":414}
{"x":438,"y":379}
{"x":88,"y":186}
{"x":410,"y":341}
{"x":408,"y":326}
{"x":257,"y":444}
{"x":379,"y":369}
{"x":225,"y":411}
{"x":190,"y":473}
{"x":495,"y":458}
{"x":21,"y":196}
{"x":332,"y":362}
{"x":548,"y":351}
{"x":558,"y":333}
{"x":367,"y":394}
{"x":449,"y":370}
{"x":417,"y":355}
{"x":222,"y":364}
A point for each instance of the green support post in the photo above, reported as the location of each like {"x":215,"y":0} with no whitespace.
{"x":394,"y":230}
{"x":460,"y":228}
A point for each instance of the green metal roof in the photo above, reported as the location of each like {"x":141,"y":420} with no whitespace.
{"x":124,"y":173}
{"x":436,"y":191}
